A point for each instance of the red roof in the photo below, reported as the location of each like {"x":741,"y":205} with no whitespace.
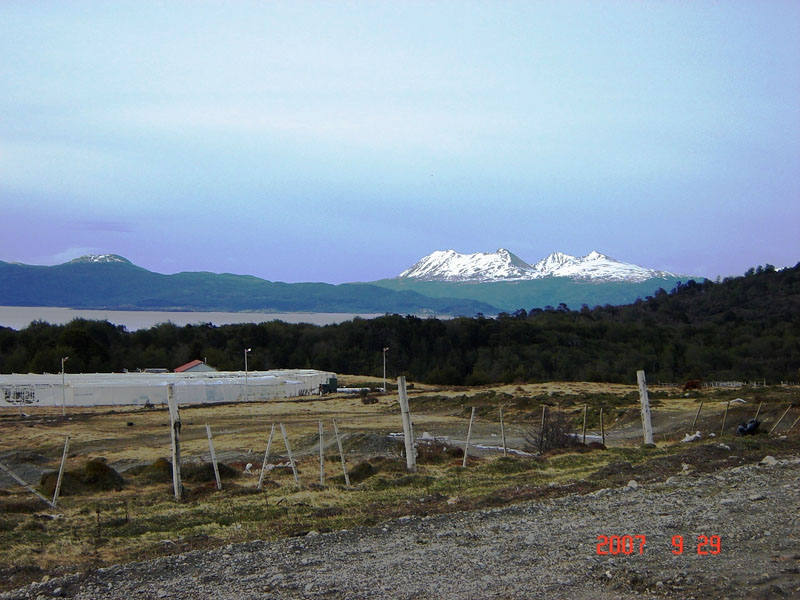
{"x":188,"y":366}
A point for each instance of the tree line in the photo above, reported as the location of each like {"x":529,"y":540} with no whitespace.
{"x":738,"y":328}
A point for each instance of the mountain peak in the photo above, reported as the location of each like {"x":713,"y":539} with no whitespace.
{"x":449,"y":265}
{"x":100,"y":258}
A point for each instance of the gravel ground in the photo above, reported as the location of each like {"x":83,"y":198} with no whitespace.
{"x":545,"y":549}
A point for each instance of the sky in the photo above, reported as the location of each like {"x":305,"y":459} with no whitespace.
{"x":344,"y":141}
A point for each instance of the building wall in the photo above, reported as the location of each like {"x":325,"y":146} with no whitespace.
{"x":141,"y":389}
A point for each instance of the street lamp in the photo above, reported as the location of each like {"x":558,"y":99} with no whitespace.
{"x":63,"y":389}
{"x":246,"y":351}
{"x":384,"y":369}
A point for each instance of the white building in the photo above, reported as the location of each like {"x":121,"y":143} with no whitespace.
{"x":142,"y":389}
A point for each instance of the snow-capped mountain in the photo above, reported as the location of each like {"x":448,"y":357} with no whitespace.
{"x":100,"y":258}
{"x":449,"y":265}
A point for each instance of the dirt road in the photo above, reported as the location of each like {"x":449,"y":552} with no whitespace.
{"x":546,"y":549}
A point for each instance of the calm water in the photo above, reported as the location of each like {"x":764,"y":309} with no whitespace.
{"x":18,"y":317}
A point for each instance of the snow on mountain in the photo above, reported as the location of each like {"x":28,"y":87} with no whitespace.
{"x":100,"y":258}
{"x":449,"y":265}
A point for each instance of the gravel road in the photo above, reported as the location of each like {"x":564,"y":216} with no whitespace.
{"x":544,"y":549}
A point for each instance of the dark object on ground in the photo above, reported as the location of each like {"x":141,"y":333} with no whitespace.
{"x":558,"y":432}
{"x":692,"y":384}
{"x":596,"y":446}
{"x":749,"y":428}
{"x":95,"y":476}
{"x":99,"y":476}
{"x":204,"y":472}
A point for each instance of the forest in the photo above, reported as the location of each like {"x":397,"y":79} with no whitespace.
{"x":739,"y":328}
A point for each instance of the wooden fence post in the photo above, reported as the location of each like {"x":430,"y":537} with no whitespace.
{"x":469,"y":433}
{"x":584,"y":424}
{"x":213,"y":457}
{"x":289,"y":452}
{"x":61,"y":471}
{"x":647,"y":427}
{"x":793,"y":424}
{"x":408,"y":432}
{"x":19,"y":480}
{"x":602,"y":428}
{"x":266,"y":457}
{"x":788,"y":408}
{"x":503,"y":433}
{"x":697,"y":414}
{"x":175,"y":435}
{"x":341,"y":453}
{"x":725,"y":417}
{"x":321,"y":458}
{"x":541,"y":429}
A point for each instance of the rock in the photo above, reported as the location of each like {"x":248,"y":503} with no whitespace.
{"x":691,"y":438}
{"x":632,"y":485}
{"x":769,"y":461}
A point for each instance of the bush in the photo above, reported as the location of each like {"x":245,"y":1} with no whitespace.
{"x":99,"y":476}
{"x":558,"y":432}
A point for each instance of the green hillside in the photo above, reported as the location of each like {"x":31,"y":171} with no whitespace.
{"x":537,"y":293}
{"x":125,"y":286}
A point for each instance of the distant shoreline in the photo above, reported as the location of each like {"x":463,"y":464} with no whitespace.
{"x":19,"y":317}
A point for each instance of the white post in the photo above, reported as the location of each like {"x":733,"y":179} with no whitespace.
{"x":213,"y":457}
{"x":266,"y":456}
{"x":503,"y":433}
{"x":469,"y":434}
{"x":647,"y":428}
{"x":321,"y":458}
{"x":246,"y":350}
{"x":19,"y":480}
{"x":175,"y":435}
{"x":63,"y":389}
{"x":411,"y":455}
{"x":341,"y":454}
{"x":289,"y":452}
{"x":61,"y":471}
{"x":384,"y":369}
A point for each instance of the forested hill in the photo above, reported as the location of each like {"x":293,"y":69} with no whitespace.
{"x":742,"y":328}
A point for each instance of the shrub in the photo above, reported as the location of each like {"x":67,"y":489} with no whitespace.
{"x":99,"y":476}
{"x":558,"y":432}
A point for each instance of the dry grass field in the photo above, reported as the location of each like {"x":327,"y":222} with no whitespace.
{"x":139,"y":517}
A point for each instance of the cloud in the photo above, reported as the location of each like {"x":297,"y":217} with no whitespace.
{"x":65,"y":255}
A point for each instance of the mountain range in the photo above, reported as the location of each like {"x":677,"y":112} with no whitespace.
{"x":503,"y":265}
{"x":443,"y":283}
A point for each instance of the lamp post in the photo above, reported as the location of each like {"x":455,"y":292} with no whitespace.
{"x":63,"y":389}
{"x":246,"y":351}
{"x":384,"y":369}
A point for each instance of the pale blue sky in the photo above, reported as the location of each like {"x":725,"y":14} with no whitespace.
{"x":342,"y":141}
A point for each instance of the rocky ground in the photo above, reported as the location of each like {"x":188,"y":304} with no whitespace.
{"x":541,"y":549}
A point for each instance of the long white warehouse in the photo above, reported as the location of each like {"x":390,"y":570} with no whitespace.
{"x":142,"y":389}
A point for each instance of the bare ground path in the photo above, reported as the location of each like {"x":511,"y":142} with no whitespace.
{"x":545,"y":549}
